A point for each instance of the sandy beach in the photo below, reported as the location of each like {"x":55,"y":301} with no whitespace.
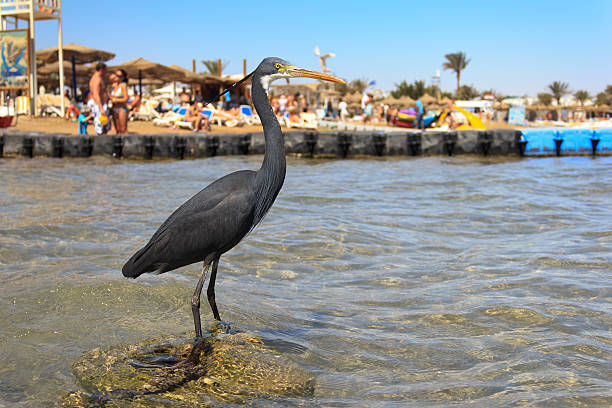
{"x":63,"y":126}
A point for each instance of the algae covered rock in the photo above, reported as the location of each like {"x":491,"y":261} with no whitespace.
{"x":232,"y":368}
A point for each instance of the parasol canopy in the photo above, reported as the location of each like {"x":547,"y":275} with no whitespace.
{"x":144,"y":69}
{"x":53,"y":68}
{"x":191,"y":77}
{"x":145,"y":81}
{"x":81,"y":54}
{"x":353,"y":97}
{"x":404,"y":101}
{"x":427,"y":99}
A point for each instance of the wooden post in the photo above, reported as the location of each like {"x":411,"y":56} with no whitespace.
{"x":219,"y":66}
{"x":244,"y":67}
{"x":32,"y":91}
{"x":193,"y":68}
{"x":60,"y":60}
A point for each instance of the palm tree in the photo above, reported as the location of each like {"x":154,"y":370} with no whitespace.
{"x":558,"y":90}
{"x":456,"y":62}
{"x":212,"y":67}
{"x":359,"y":85}
{"x":466,"y":92}
{"x":581,"y":96}
{"x":545,"y":98}
{"x":601,"y":99}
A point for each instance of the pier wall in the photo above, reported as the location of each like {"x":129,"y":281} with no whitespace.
{"x":339,"y":144}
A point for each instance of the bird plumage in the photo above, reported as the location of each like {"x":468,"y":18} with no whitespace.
{"x":218,"y":217}
{"x":200,"y":227}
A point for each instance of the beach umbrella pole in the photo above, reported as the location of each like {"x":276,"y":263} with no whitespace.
{"x":140,"y":83}
{"x":73,"y":78}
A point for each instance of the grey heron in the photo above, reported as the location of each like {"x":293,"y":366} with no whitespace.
{"x":217,"y":218}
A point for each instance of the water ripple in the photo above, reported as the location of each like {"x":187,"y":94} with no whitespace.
{"x":427,"y":281}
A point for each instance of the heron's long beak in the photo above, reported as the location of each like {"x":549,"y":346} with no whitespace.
{"x":300,"y":72}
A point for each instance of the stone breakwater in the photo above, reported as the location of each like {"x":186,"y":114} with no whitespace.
{"x":340,"y":144}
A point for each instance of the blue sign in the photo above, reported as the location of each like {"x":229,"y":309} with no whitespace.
{"x":516,"y":116}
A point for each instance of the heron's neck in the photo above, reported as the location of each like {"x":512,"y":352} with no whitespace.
{"x":271,"y":175}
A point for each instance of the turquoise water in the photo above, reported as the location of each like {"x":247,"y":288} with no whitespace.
{"x":422,"y":282}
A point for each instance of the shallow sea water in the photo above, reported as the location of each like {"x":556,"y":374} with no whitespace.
{"x":416,"y":281}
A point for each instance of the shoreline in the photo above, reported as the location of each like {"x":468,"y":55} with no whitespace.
{"x":55,"y":125}
{"x":310,"y":143}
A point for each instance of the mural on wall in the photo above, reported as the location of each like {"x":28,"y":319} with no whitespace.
{"x":14,"y":59}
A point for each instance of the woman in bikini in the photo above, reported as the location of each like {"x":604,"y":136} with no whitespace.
{"x":119,"y":97}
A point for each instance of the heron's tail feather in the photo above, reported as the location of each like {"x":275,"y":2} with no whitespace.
{"x":140,"y":263}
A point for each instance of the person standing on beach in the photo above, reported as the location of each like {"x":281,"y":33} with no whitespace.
{"x":98,"y":103}
{"x":119,"y":98}
{"x":418,"y":119}
{"x":343,"y":109}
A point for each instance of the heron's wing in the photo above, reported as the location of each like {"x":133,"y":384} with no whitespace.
{"x":329,"y":54}
{"x":211,"y":222}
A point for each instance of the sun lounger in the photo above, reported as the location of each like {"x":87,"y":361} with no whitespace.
{"x":48,"y":105}
{"x":309,"y":120}
{"x":249,"y":117}
{"x":224,"y":119}
{"x":170,"y":118}
{"x":145,"y":111}
{"x":209,"y":113}
{"x":304,"y":121}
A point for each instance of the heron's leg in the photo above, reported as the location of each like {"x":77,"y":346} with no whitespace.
{"x":211,"y":289}
{"x":195,"y":300}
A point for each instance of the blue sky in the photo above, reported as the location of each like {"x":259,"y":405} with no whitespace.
{"x":516,"y":47}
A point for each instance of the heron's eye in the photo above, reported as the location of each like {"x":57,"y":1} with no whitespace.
{"x":277,"y":65}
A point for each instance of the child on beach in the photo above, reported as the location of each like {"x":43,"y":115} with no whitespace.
{"x":83,"y":119}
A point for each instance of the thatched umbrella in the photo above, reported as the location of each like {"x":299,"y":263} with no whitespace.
{"x":53,"y":68}
{"x":76,"y":54}
{"x":191,"y":77}
{"x":48,"y":74}
{"x":141,"y":68}
{"x":73,"y":52}
{"x":352,"y":97}
{"x":427,"y":99}
{"x":145,"y":81}
{"x":405,"y":101}
{"x":444,"y":101}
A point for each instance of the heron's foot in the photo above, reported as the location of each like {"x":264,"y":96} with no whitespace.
{"x":220,"y":327}
{"x":192,"y":355}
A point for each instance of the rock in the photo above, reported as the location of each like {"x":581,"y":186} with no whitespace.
{"x":232,"y":368}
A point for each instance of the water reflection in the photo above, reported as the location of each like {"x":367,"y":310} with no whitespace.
{"x":428,"y":281}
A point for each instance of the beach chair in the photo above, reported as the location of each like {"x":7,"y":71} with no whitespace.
{"x":50,"y":105}
{"x":170,"y":118}
{"x":222,"y":119}
{"x":298,"y":124}
{"x":249,"y":117}
{"x":183,"y":124}
{"x":22,"y":105}
{"x":309,"y":120}
{"x":145,"y":111}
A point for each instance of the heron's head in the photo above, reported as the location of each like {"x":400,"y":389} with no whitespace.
{"x":273,"y":68}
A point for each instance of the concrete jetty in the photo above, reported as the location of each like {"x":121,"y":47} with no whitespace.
{"x":328,"y":144}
